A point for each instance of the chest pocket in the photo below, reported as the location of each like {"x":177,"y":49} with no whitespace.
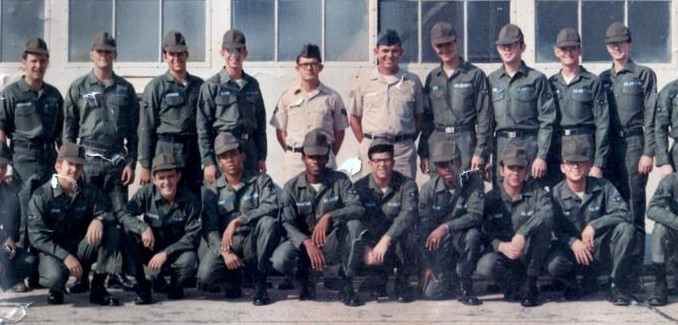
{"x":392,"y":209}
{"x":177,"y":224}
{"x":173,"y":109}
{"x":26,"y":116}
{"x":524,"y":107}
{"x":632,"y":94}
{"x":462,"y":96}
{"x":249,"y":201}
{"x":403,"y":100}
{"x":154,"y":220}
{"x":227,"y":107}
{"x":330,"y":202}
{"x":372,"y":100}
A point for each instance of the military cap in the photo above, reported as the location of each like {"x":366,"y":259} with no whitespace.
{"x":443,"y":33}
{"x":233,"y":39}
{"x":225,"y":142}
{"x":388,"y":37}
{"x":36,"y":45}
{"x":443,"y":151}
{"x":616,"y":33}
{"x":316,"y":143}
{"x":103,"y":41}
{"x":72,"y":153}
{"x":576,"y":149}
{"x":5,"y":153}
{"x":310,"y":51}
{"x":381,"y":145}
{"x":568,"y":37}
{"x":163,"y":161}
{"x":509,"y":34}
{"x":174,"y":42}
{"x":514,"y":156}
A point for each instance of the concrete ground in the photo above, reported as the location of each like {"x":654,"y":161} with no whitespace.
{"x":202,"y":308}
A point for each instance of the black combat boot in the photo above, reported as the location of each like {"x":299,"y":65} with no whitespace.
{"x":348,"y":295}
{"x":175,"y":291}
{"x":403,"y":291}
{"x":261,"y":296}
{"x":99,"y":294}
{"x":143,"y":289}
{"x":661,"y":287}
{"x":529,"y":293}
{"x":466,"y":294}
{"x":80,"y":285}
{"x":119,"y":280}
{"x":617,"y":295}
{"x":55,"y":297}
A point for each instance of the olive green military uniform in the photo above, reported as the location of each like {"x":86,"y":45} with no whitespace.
{"x":23,"y":264}
{"x":602,"y":208}
{"x":256,"y":204}
{"x":458,"y":110}
{"x":57,"y":224}
{"x":33,"y":121}
{"x":665,"y":119}
{"x":298,"y":113}
{"x":167,"y":124}
{"x":461,"y":210}
{"x":663,"y":209}
{"x":224,"y":106}
{"x":105,"y":119}
{"x":387,"y":110}
{"x":524,"y":112}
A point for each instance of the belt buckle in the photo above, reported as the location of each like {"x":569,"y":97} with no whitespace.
{"x":567,"y":132}
{"x":449,"y":129}
{"x":512,"y":134}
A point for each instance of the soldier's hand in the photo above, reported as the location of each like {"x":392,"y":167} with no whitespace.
{"x":518,"y":243}
{"x":229,"y":232}
{"x":147,"y":238}
{"x":665,"y":170}
{"x":315,"y":255}
{"x":509,"y":251}
{"x":145,"y":176}
{"x":645,"y":165}
{"x":424,"y":166}
{"x":477,"y":162}
{"x":210,"y":173}
{"x":261,"y":166}
{"x":95,"y":232}
{"x":157,"y":261}
{"x":127,"y":176}
{"x":320,"y":230}
{"x":9,"y":243}
{"x":596,"y":172}
{"x":425,"y":277}
{"x":539,"y":168}
{"x":436,"y":237}
{"x":232,"y":260}
{"x":73,"y":265}
{"x":587,"y":236}
{"x":379,"y":251}
{"x":582,"y":254}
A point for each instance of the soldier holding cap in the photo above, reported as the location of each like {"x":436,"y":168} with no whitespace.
{"x":524,"y":109}
{"x":517,"y":223}
{"x":231,"y":101}
{"x":458,"y":107}
{"x":31,"y":115}
{"x":168,"y":113}
{"x":390,"y":201}
{"x":167,"y":237}
{"x":239,"y":212}
{"x":102,"y":112}
{"x":322,"y":217}
{"x":592,"y":225}
{"x":581,"y":103}
{"x":388,"y":104}
{"x":305,"y":107}
{"x":72,"y":224}
{"x":450,"y":215}
{"x":632,"y":96}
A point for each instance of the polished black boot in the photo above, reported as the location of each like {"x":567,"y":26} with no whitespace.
{"x":80,"y":285}
{"x":143,"y":289}
{"x":403,"y":291}
{"x":261,"y":296}
{"x":175,"y":291}
{"x":466,"y":294}
{"x":617,"y":295}
{"x":99,"y":294}
{"x":661,"y":287}
{"x":119,"y":280}
{"x":348,"y":295}
{"x":55,"y":297}
{"x":530,"y":293}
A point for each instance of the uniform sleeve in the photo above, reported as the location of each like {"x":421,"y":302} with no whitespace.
{"x":339,"y":114}
{"x":659,"y":210}
{"x":6,"y":113}
{"x":562,"y":228}
{"x":474,"y":212}
{"x":71,"y":127}
{"x":59,"y":127}
{"x":352,"y":207}
{"x":204,"y":121}
{"x":128,"y":215}
{"x":191,"y":238}
{"x":649,"y":80}
{"x":616,"y":210}
{"x":132,"y":136}
{"x":211,"y":232}
{"x":663,"y":123}
{"x":355,"y":101}
{"x":485,"y":116}
{"x":268,"y":201}
{"x":418,"y":96}
{"x":279,"y":117}
{"x":260,"y":132}
{"x":426,"y":202}
{"x":38,"y":232}
{"x":543,"y":214}
{"x":427,"y":124}
{"x":11,"y":214}
{"x":148,"y":123}
{"x":601,"y":116}
{"x":547,"y":116}
{"x":102,"y":205}
{"x":289,"y":221}
{"x":407,"y":217}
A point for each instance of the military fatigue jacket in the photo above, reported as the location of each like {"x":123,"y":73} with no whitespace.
{"x":524,"y":102}
{"x":176,"y":227}
{"x":304,"y":205}
{"x":29,"y":116}
{"x":461,"y":100}
{"x":168,"y":107}
{"x":506,"y":217}
{"x":105,"y":114}
{"x":460,"y":210}
{"x":601,"y":207}
{"x":632,"y":96}
{"x":392,"y":212}
{"x":224,"y":106}
{"x":10,"y":212}
{"x":583,"y":103}
{"x":663,"y":207}
{"x":58,"y":221}
{"x":222,"y":203}
{"x":666,"y":119}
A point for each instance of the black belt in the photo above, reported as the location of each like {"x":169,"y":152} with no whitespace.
{"x":293,"y":149}
{"x":577,"y":130}
{"x":516,"y":133}
{"x":393,"y":138}
{"x":28,"y":145}
{"x":455,"y":129}
{"x":175,"y":138}
{"x":628,"y":132}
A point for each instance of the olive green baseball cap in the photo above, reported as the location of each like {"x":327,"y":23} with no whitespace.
{"x":509,"y":34}
{"x":103,"y":41}
{"x":568,"y":37}
{"x":388,"y":37}
{"x":163,"y":161}
{"x":617,"y":33}
{"x":514,"y":155}
{"x":310,"y":51}
{"x":316,"y":143}
{"x":174,"y":42}
{"x":72,"y":153}
{"x":576,"y":149}
{"x":442,"y":33}
{"x":225,"y":142}
{"x":443,"y":151}
{"x":36,"y":45}
{"x":233,"y":39}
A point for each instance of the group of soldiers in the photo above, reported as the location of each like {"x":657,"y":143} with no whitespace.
{"x":547,"y":145}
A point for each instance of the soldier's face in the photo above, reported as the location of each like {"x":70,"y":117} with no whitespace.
{"x":620,"y":51}
{"x":69,"y":169}
{"x":388,"y":56}
{"x":514,"y":176}
{"x":446,"y":51}
{"x":166,"y":182}
{"x":575,"y":171}
{"x":176,"y":61}
{"x":568,"y":55}
{"x":233,"y":58}
{"x":448,"y":171}
{"x":382,"y":165}
{"x":309,"y":68}
{"x":314,"y":164}
{"x":35,"y":66}
{"x":511,"y":53}
{"x":231,"y":162}
{"x":103,"y":59}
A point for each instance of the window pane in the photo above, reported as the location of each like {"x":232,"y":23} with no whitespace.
{"x":256,"y":19}
{"x":293,"y":31}
{"x":346,"y":36}
{"x":136,"y":34}
{"x":401,"y":16}
{"x":437,"y":11}
{"x":485,"y":19}
{"x":188,"y":17}
{"x":21,"y":20}
{"x":596,"y":17}
{"x":552,"y":16}
{"x":650,"y":26}
{"x":86,"y":18}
